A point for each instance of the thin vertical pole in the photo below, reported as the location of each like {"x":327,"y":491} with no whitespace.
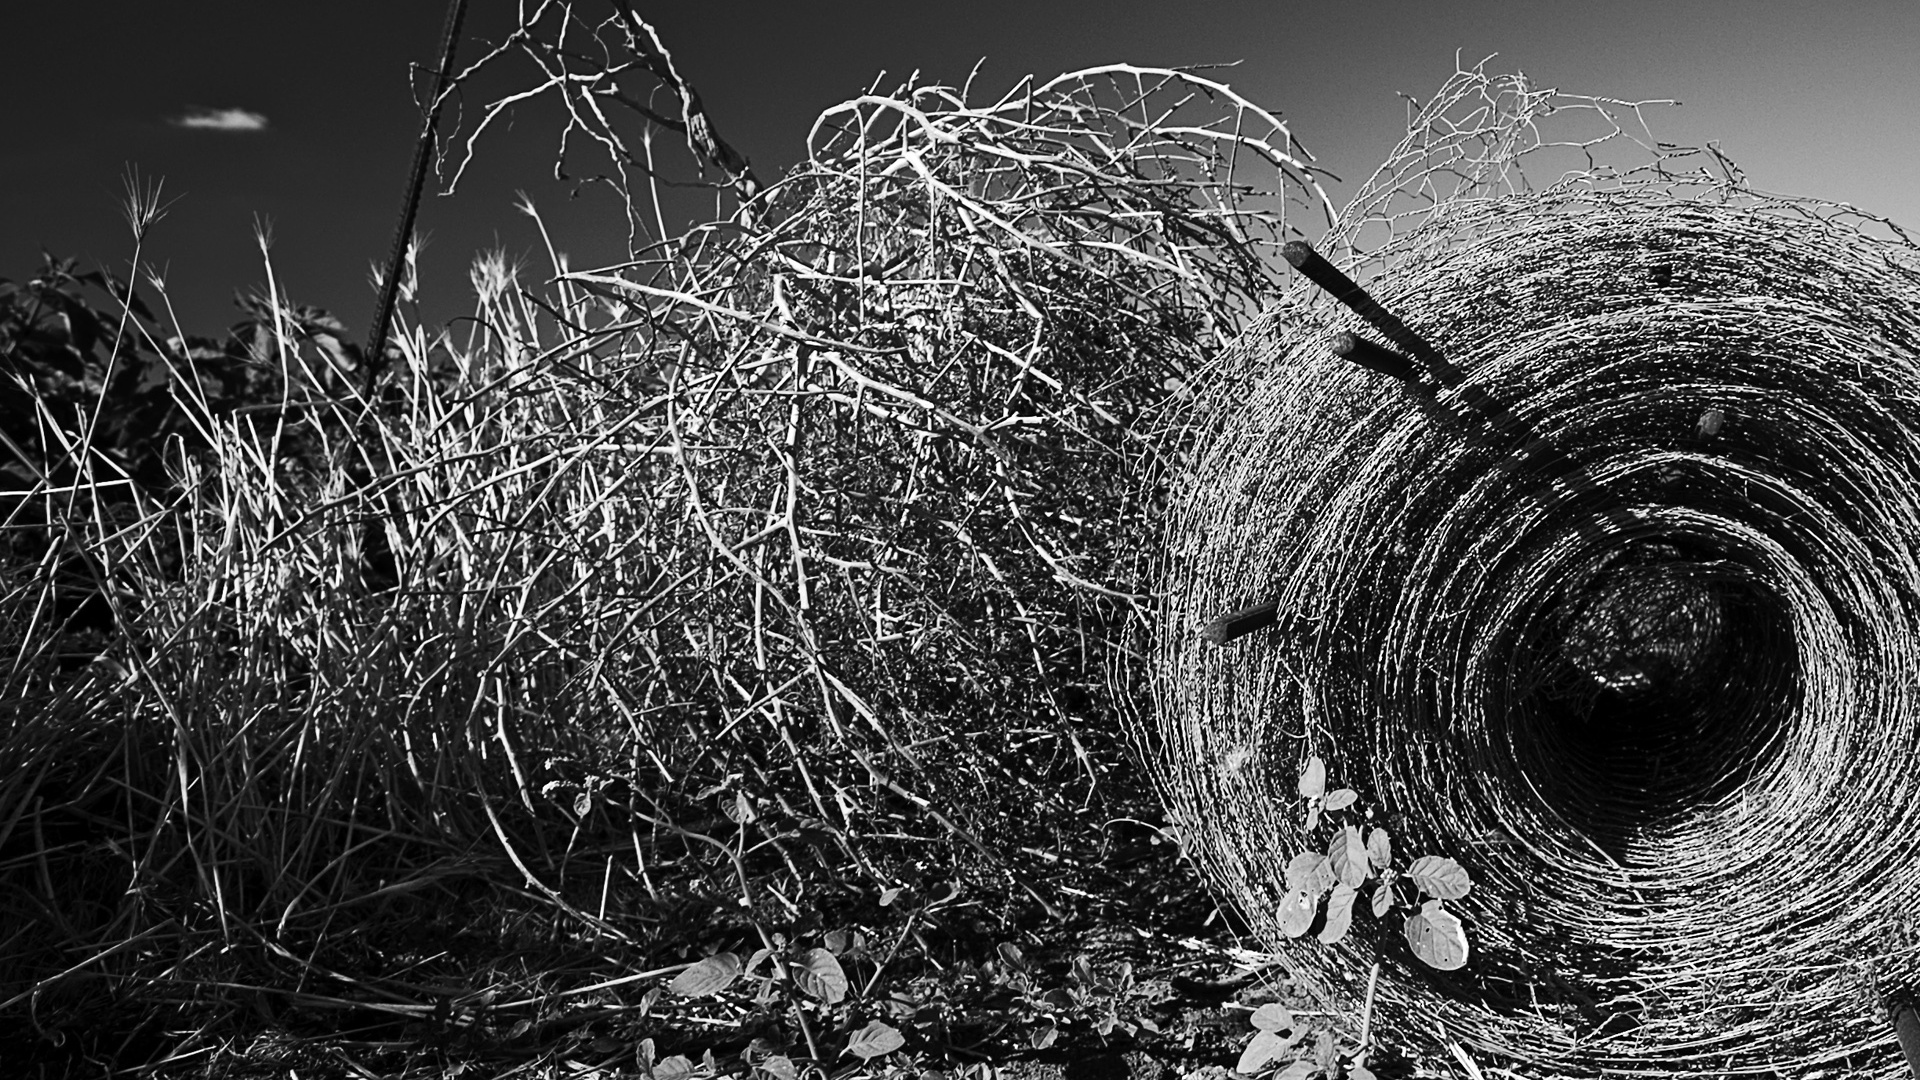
{"x":376,"y":352}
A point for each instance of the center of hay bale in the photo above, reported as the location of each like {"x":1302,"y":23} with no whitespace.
{"x":1646,"y":631}
{"x":1669,"y":681}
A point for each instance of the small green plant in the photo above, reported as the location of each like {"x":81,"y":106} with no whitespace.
{"x":1277,"y":1030}
{"x":1322,"y":887}
{"x":809,"y":1013}
{"x":1105,"y":1003}
{"x":794,"y":984}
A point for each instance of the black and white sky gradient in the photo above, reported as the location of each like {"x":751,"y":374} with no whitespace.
{"x":300,"y":112}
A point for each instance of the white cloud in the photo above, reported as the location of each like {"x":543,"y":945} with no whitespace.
{"x":221,"y":120}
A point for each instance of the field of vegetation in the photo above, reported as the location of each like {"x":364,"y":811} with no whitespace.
{"x":726,"y":662}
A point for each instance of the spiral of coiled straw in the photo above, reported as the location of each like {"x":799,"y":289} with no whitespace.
{"x":1618,"y":605}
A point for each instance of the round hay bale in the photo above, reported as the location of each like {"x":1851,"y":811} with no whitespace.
{"x":1622,"y":613}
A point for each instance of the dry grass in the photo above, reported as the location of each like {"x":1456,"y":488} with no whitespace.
{"x":672,"y":606}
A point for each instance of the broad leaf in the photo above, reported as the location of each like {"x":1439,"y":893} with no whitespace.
{"x":1440,"y":877}
{"x":1380,"y":849}
{"x":1306,"y":869}
{"x":1341,"y":799}
{"x":1437,"y":938}
{"x":817,"y":974}
{"x":1083,"y":973}
{"x":677,"y":1067}
{"x":1310,"y":872}
{"x":1299,"y":1070}
{"x":1323,"y":879}
{"x":1382,"y":899}
{"x":1264,"y":1047}
{"x":780,"y":1067}
{"x":1012,"y":955}
{"x":1043,"y":1036}
{"x":1313,"y":781}
{"x":1273,"y":1016}
{"x":1347,"y":855}
{"x":708,"y":977}
{"x":1339,"y":914}
{"x":1296,"y":912}
{"x":875,"y":1040}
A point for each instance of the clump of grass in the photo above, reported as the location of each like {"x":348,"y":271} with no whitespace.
{"x":779,"y":572}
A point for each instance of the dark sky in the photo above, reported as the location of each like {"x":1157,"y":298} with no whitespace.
{"x":1811,"y":98}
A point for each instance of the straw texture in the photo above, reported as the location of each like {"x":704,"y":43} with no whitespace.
{"x":1654,"y":678}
